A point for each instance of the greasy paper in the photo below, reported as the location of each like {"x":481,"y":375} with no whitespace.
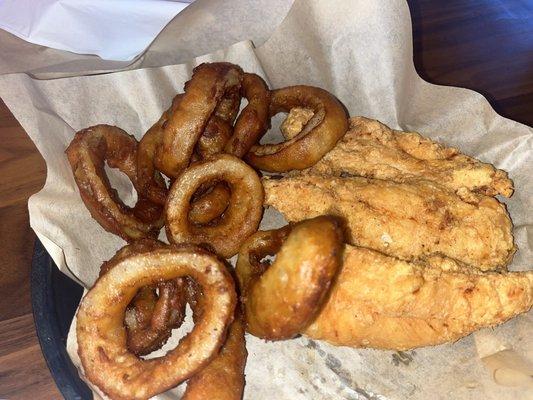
{"x":361,"y":51}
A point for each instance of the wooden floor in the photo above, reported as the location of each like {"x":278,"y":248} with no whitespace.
{"x":482,"y":45}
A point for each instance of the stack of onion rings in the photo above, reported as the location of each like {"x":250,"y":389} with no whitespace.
{"x":216,"y":201}
{"x":184,"y":127}
{"x":251,"y":125}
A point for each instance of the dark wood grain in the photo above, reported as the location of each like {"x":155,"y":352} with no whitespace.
{"x":23,"y":371}
{"x":482,"y":45}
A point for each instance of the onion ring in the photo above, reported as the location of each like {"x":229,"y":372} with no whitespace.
{"x":205,"y":90}
{"x":102,"y":337}
{"x":328,"y":124}
{"x":254,"y":119}
{"x":150,"y":317}
{"x":240,"y":219}
{"x":151,"y":183}
{"x":87,"y":154}
{"x":280,"y":300}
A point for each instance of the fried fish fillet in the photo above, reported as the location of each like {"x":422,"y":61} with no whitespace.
{"x":373,"y":150}
{"x":405,"y":220}
{"x":382,"y":302}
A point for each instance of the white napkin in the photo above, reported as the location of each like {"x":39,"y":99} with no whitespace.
{"x":114,"y":30}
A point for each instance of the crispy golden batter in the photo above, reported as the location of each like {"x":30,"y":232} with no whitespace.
{"x":281,"y":299}
{"x":223,"y":378}
{"x":106,"y":360}
{"x":405,"y":220}
{"x":373,"y":150}
{"x":382,"y":302}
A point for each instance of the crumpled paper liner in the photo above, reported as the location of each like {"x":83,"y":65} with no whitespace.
{"x":359,"y":50}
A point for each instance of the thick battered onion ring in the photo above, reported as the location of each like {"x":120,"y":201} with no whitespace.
{"x":280,"y":300}
{"x":205,"y":90}
{"x":328,"y":124}
{"x":150,"y":182}
{"x":102,"y":337}
{"x":254,"y":119}
{"x":150,"y":317}
{"x":240,"y":219}
{"x":87,"y":154}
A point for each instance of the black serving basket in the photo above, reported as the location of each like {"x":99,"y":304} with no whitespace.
{"x":54,"y":298}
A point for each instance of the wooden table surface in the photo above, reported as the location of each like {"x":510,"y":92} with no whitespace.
{"x":483,"y":45}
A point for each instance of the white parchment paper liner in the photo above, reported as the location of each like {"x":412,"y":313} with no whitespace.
{"x":360,"y":50}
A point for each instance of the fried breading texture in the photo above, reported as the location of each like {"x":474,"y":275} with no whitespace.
{"x":223,"y":378}
{"x":373,"y":150}
{"x":382,"y":302}
{"x":404,"y":220}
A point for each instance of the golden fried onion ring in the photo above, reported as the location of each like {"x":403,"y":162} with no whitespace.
{"x":328,"y":124}
{"x":87,"y":154}
{"x":281,"y":299}
{"x":102,"y":337}
{"x":240,"y":219}
{"x":150,"y":317}
{"x":205,"y":90}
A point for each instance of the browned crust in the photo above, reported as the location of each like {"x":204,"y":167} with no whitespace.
{"x":240,"y":219}
{"x":328,"y":124}
{"x":254,"y":119}
{"x":102,"y":338}
{"x":208,"y":85}
{"x":280,"y":300}
{"x":87,"y":154}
